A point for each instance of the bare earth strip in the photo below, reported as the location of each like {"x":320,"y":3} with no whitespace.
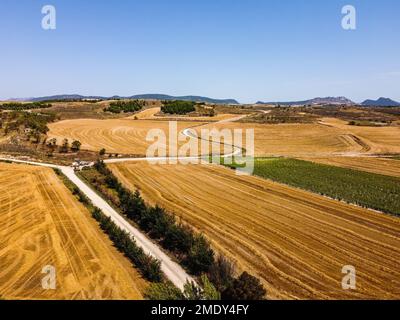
{"x":41,"y":224}
{"x":383,"y":166}
{"x":296,"y":242}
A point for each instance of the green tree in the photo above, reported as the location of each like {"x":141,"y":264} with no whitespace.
{"x":65,"y":146}
{"x":201,"y":256}
{"x":102,"y":152}
{"x":204,"y":292}
{"x":222,"y":273}
{"x":163,"y":291}
{"x":76,"y":145}
{"x":246,"y":287}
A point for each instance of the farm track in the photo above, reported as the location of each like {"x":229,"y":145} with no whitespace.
{"x":41,"y":224}
{"x":295,"y":241}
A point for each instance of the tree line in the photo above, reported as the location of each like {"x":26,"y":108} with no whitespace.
{"x":17,"y":106}
{"x":191,"y":249}
{"x":125,"y":106}
{"x":178,"y":107}
{"x":149,"y":267}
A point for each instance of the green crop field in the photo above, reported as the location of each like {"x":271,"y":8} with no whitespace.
{"x":369,"y":190}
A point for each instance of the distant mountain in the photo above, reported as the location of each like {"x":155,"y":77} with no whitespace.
{"x":141,"y":96}
{"x":184,"y":98}
{"x":327,"y":100}
{"x":381,"y":102}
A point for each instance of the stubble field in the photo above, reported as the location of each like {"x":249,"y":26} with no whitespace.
{"x":295,"y":241}
{"x":123,"y":136}
{"x":42,"y":224}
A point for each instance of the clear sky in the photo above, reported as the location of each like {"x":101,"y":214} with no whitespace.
{"x":249,"y":50}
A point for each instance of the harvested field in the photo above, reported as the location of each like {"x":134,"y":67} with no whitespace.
{"x":295,"y":241}
{"x":385,"y":166}
{"x":123,"y":136}
{"x":380,"y":140}
{"x":296,"y":139}
{"x":42,"y":224}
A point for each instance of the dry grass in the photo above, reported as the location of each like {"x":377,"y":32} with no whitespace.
{"x":41,"y":224}
{"x":296,"y":242}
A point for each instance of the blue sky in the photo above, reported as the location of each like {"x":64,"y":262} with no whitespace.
{"x":244,"y":49}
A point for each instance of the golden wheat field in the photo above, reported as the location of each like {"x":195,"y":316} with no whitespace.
{"x":295,"y":139}
{"x":389,"y":167}
{"x":42,"y":224}
{"x":296,"y":242}
{"x":123,"y":136}
{"x":377,"y":140}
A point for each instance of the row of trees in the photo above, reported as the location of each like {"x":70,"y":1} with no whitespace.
{"x":148,"y":266}
{"x":178,"y":107}
{"x":65,"y":146}
{"x":125,"y":106}
{"x":193,"y":250}
{"x":16,"y":106}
